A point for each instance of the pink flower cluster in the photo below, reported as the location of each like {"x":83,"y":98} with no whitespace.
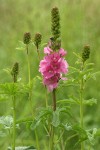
{"x":52,"y":67}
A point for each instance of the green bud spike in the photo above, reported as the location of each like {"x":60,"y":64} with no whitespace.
{"x":86,"y":53}
{"x":15,"y":71}
{"x":27,"y":38}
{"x":55,"y":19}
{"x":37,"y":39}
{"x":55,"y":45}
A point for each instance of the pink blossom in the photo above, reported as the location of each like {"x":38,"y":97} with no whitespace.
{"x":62,"y":52}
{"x":52,"y":67}
{"x":47,"y":50}
{"x":52,"y":82}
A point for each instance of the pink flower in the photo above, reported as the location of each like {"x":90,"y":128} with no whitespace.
{"x":52,"y":67}
{"x":47,"y":50}
{"x":62,"y":52}
{"x":52,"y":82}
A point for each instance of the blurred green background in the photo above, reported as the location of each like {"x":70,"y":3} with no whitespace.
{"x":80,"y":25}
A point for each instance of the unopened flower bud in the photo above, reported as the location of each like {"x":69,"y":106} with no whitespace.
{"x":55,"y":19}
{"x":37,"y":39}
{"x":86,"y":53}
{"x":15,"y":71}
{"x":54,"y":45}
{"x":27,"y":38}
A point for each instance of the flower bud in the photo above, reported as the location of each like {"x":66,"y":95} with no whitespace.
{"x":86,"y":53}
{"x":15,"y":71}
{"x":27,"y":38}
{"x":37,"y":39}
{"x":54,"y":45}
{"x":55,"y":19}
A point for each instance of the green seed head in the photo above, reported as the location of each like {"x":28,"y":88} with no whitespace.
{"x":86,"y":53}
{"x":27,"y":38}
{"x":55,"y":19}
{"x":37,"y":39}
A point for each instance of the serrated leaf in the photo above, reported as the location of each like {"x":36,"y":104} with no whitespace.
{"x":9,"y":88}
{"x":35,"y":124}
{"x":91,"y":136}
{"x":7,"y":122}
{"x":67,"y":127}
{"x":90,"y":101}
{"x":80,"y":131}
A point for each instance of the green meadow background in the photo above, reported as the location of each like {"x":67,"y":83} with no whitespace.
{"x":80,"y":25}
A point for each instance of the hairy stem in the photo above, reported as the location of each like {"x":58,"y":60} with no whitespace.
{"x":46,"y":97}
{"x":54,"y":99}
{"x":81,"y":103}
{"x":30,"y":94}
{"x":14,"y":122}
{"x":38,"y":54}
{"x":52,"y":128}
{"x":14,"y":114}
{"x":51,"y":138}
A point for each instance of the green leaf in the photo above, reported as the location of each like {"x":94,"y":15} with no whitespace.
{"x":24,"y":120}
{"x":69,"y":101}
{"x":9,"y":88}
{"x":7,"y":122}
{"x":43,"y":115}
{"x":56,"y":119}
{"x":97,"y":133}
{"x":91,"y":136}
{"x":21,"y":46}
{"x":82,"y":133}
{"x":3,"y":98}
{"x":2,"y":134}
{"x":35,"y":124}
{"x":90,"y":101}
{"x":67,"y":127}
{"x":23,"y":148}
{"x":8,"y":71}
{"x":77,"y":55}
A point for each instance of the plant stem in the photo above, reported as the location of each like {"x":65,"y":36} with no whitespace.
{"x":30,"y":95}
{"x":14,"y":122}
{"x":38,"y":54}
{"x":52,"y":128}
{"x":29,"y":74}
{"x":46,"y":97}
{"x":51,"y":138}
{"x":37,"y":140}
{"x":81,"y":103}
{"x":29,"y":77}
{"x":54,"y":99}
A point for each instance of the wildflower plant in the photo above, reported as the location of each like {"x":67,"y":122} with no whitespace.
{"x":57,"y":121}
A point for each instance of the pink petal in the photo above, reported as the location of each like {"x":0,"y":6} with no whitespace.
{"x":47,"y":50}
{"x":62,"y":52}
